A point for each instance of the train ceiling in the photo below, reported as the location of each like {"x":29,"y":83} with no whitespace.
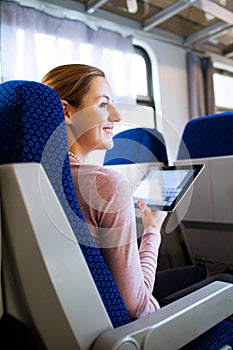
{"x":201,"y":24}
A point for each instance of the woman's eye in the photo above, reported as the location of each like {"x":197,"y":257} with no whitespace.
{"x":104,"y":105}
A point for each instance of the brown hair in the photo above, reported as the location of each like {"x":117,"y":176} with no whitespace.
{"x":72,"y":81}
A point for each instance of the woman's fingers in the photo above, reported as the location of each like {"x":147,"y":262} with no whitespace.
{"x":151,"y":217}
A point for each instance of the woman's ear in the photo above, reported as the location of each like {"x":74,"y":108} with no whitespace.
{"x":67,"y":115}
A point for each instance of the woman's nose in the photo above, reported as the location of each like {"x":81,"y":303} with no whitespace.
{"x":114,"y":115}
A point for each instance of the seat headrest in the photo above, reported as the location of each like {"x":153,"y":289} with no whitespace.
{"x":207,"y":136}
{"x":30,"y":112}
{"x":137,"y":145}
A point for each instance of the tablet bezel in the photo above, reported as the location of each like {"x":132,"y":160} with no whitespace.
{"x":197,"y":168}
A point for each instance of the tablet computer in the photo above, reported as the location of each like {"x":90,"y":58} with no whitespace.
{"x":162,"y":188}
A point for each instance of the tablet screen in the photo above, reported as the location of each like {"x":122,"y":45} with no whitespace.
{"x":162,"y":188}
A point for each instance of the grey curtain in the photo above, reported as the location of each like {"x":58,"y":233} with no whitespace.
{"x":33,"y":41}
{"x":200,"y":83}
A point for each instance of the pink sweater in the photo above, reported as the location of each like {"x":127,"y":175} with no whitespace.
{"x":105,"y":199}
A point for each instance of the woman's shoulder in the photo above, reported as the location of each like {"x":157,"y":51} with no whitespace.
{"x":101,"y":171}
{"x":111,"y":173}
{"x":109,"y":183}
{"x":101,"y":174}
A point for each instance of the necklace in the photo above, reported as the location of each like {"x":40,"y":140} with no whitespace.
{"x":73,"y":155}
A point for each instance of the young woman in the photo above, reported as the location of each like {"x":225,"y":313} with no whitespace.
{"x":104,"y":196}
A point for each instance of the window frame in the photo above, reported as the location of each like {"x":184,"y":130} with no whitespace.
{"x":149,"y":99}
{"x":224,"y":72}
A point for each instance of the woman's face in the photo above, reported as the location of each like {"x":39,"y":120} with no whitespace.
{"x":92,"y":123}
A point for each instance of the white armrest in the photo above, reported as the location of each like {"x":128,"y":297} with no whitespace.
{"x":176,"y":324}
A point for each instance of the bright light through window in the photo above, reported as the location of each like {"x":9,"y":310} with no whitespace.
{"x":85,"y":52}
{"x":140,"y":75}
{"x":223,"y":90}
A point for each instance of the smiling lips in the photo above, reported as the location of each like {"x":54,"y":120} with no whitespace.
{"x":108,"y":129}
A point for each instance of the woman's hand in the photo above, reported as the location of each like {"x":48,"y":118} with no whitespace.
{"x":151,"y":217}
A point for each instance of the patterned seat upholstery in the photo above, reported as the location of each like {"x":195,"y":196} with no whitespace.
{"x":208,"y":136}
{"x":138,"y":145}
{"x":33,"y":130}
{"x":216,"y":338}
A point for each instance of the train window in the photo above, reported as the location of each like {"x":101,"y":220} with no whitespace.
{"x":223,"y":90}
{"x":143,"y":112}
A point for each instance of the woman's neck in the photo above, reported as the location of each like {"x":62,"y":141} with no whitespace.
{"x":76,"y":154}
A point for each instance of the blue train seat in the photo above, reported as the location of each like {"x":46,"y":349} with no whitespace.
{"x":208,"y":222}
{"x":137,"y":145}
{"x":207,"y":136}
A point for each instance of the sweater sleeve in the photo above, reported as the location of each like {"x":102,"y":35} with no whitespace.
{"x":134,"y":272}
{"x":108,"y":209}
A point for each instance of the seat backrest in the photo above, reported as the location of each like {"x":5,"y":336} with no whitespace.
{"x":207,"y":136}
{"x":137,"y":145}
{"x":33,"y":130}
